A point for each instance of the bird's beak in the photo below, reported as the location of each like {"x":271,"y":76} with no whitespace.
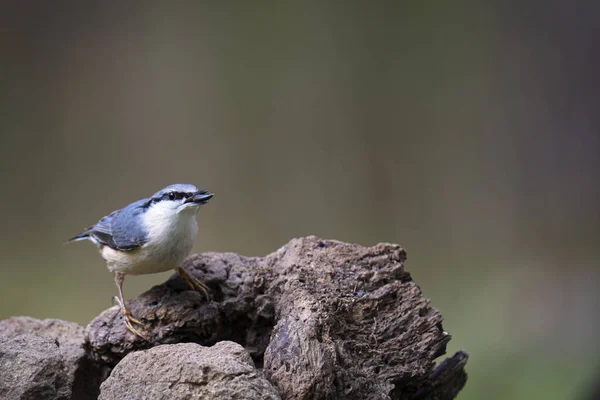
{"x":201,"y":197}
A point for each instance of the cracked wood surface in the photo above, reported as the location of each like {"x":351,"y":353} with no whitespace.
{"x":322,"y":319}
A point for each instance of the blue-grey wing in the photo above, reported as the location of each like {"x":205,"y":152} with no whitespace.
{"x":122,"y":229}
{"x":127,"y":230}
{"x":102,"y":232}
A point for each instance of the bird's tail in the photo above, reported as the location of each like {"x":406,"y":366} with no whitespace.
{"x":82,"y":236}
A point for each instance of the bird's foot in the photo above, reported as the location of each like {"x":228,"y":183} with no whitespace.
{"x":128,"y":319}
{"x":194,"y":283}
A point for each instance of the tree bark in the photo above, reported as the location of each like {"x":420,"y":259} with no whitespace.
{"x":322,"y":318}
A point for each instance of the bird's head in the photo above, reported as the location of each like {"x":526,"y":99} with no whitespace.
{"x":179,"y":199}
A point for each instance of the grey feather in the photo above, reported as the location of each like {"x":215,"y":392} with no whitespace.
{"x":121,"y":229}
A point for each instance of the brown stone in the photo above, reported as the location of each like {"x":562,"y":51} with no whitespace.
{"x":188,"y":371}
{"x":82,"y":377}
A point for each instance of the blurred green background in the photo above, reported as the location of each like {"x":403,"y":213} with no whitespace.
{"x":467,"y":133}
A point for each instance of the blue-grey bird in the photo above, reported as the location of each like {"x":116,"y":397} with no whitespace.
{"x":149,"y":236}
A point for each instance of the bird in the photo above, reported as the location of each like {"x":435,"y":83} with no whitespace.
{"x":149,"y":236}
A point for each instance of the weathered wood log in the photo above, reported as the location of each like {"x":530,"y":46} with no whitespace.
{"x":322,"y":318}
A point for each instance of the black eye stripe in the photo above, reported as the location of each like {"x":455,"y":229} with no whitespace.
{"x":172,"y":196}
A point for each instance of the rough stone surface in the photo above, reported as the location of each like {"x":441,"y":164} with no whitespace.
{"x":188,"y":371}
{"x":31,"y":368}
{"x":325,"y":319}
{"x":83,"y":377}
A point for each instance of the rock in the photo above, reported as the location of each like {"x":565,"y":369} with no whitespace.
{"x":323,"y":318}
{"x":187,"y":371}
{"x":31,"y":368}
{"x":83,"y":377}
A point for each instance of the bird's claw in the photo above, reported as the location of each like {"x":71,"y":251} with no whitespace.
{"x":128,"y":324}
{"x":194,"y":283}
{"x":128,"y":319}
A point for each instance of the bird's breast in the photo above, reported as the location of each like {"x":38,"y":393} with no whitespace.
{"x":169,"y":240}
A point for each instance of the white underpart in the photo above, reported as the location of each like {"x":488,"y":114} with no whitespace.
{"x":172,"y":231}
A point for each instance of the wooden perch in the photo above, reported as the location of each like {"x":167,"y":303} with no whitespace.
{"x":322,"y":319}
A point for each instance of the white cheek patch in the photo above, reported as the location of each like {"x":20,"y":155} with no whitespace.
{"x":158,"y":220}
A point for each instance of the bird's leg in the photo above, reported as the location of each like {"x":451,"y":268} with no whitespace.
{"x":194,"y":283}
{"x":128,"y":319}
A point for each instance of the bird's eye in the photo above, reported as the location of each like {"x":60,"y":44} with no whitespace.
{"x":171,"y":195}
